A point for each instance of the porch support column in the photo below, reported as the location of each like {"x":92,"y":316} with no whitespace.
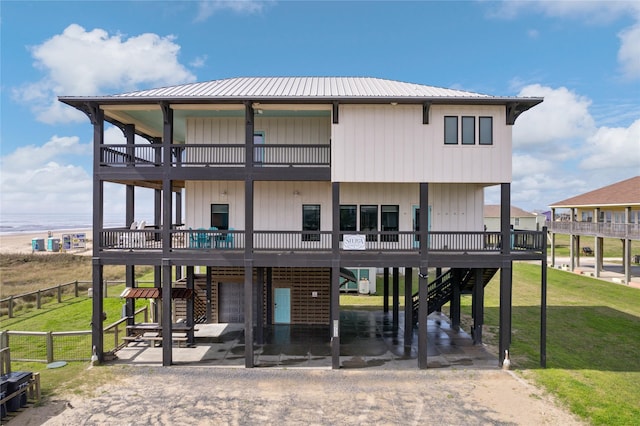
{"x":248,"y":272}
{"x":166,"y":317}
{"x":190,"y":310}
{"x":96,"y":115}
{"x":209,"y":290}
{"x":572,"y":243}
{"x":178,"y":208}
{"x":335,"y":314}
{"x":248,"y":313}
{"x":130,"y":303}
{"x":162,"y":220}
{"x":408,"y":308}
{"x":248,"y":229}
{"x":97,"y":338}
{"x":626,"y":258}
{"x":423,"y":308}
{"x":396,"y":298}
{"x":385,"y":291}
{"x":260,"y":310}
{"x":506,"y":274}
{"x":335,"y":276}
{"x":543,"y":303}
{"x":553,"y":238}
{"x":455,"y":301}
{"x":597,"y":253}
{"x":478,"y":308}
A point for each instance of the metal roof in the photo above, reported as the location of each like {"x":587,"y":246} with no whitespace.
{"x":301,"y":89}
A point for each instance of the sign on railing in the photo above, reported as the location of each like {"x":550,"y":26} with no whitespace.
{"x":354,"y":242}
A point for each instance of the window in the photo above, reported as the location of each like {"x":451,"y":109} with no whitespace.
{"x":468,"y":130}
{"x":220,"y":216}
{"x":258,"y":139}
{"x":450,"y":130}
{"x":348,"y":218}
{"x":369,"y":221}
{"x":389,"y":218}
{"x":311,"y":222}
{"x":486,"y":130}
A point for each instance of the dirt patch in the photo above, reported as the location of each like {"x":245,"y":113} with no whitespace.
{"x":187,"y":395}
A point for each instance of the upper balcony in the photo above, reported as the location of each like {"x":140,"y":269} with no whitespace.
{"x":629,"y":231}
{"x":218,"y":155}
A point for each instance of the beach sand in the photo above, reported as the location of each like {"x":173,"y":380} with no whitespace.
{"x":20,"y":243}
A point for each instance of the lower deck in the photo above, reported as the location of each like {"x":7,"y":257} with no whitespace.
{"x":368,"y":339}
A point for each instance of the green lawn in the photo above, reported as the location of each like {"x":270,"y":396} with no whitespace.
{"x":593,"y":341}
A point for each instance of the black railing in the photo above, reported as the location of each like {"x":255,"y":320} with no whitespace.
{"x":150,"y":238}
{"x":130,"y":155}
{"x":219,"y":155}
{"x":228,"y":155}
{"x":293,"y":155}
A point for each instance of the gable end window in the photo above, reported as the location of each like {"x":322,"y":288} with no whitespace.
{"x":450,"y":130}
{"x":468,"y":130}
{"x":486,"y":130}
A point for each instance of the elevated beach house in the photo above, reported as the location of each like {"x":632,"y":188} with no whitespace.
{"x":612,"y":211}
{"x":280,"y":187}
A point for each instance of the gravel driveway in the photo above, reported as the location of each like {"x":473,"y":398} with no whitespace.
{"x":238,"y":396}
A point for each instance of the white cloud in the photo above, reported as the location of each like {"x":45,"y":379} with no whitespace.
{"x":83,"y":63}
{"x":564,"y":115}
{"x":207,"y":8}
{"x":629,"y":53}
{"x":613,"y":148}
{"x":35,"y":179}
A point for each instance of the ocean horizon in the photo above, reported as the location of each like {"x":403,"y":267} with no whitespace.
{"x":23,"y":224}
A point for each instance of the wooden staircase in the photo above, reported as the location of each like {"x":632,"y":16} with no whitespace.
{"x":440,"y":290}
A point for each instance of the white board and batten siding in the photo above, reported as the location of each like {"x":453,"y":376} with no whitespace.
{"x":277,"y":130}
{"x":389,"y":143}
{"x":278,"y":205}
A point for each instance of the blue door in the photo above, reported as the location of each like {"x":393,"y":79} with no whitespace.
{"x":282,"y":306}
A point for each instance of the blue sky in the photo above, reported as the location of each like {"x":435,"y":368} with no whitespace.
{"x":582,"y":57}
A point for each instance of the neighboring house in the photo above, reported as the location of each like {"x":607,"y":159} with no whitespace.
{"x":612,"y":211}
{"x":290,"y":184}
{"x":518,"y":218}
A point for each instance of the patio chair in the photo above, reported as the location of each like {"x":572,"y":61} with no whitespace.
{"x":127,"y":238}
{"x":226,"y":240}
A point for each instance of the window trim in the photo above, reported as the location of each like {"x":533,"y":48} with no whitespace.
{"x":311,"y":234}
{"x":211,"y":215}
{"x":466,"y":133}
{"x":377,"y":211}
{"x":389,"y":238}
{"x":481,"y":119}
{"x":449,"y":140}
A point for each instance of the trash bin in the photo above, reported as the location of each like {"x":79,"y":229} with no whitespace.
{"x":37,"y":244}
{"x":636,"y":258}
{"x":18,"y":381}
{"x":4,"y":384}
{"x":53,"y":244}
